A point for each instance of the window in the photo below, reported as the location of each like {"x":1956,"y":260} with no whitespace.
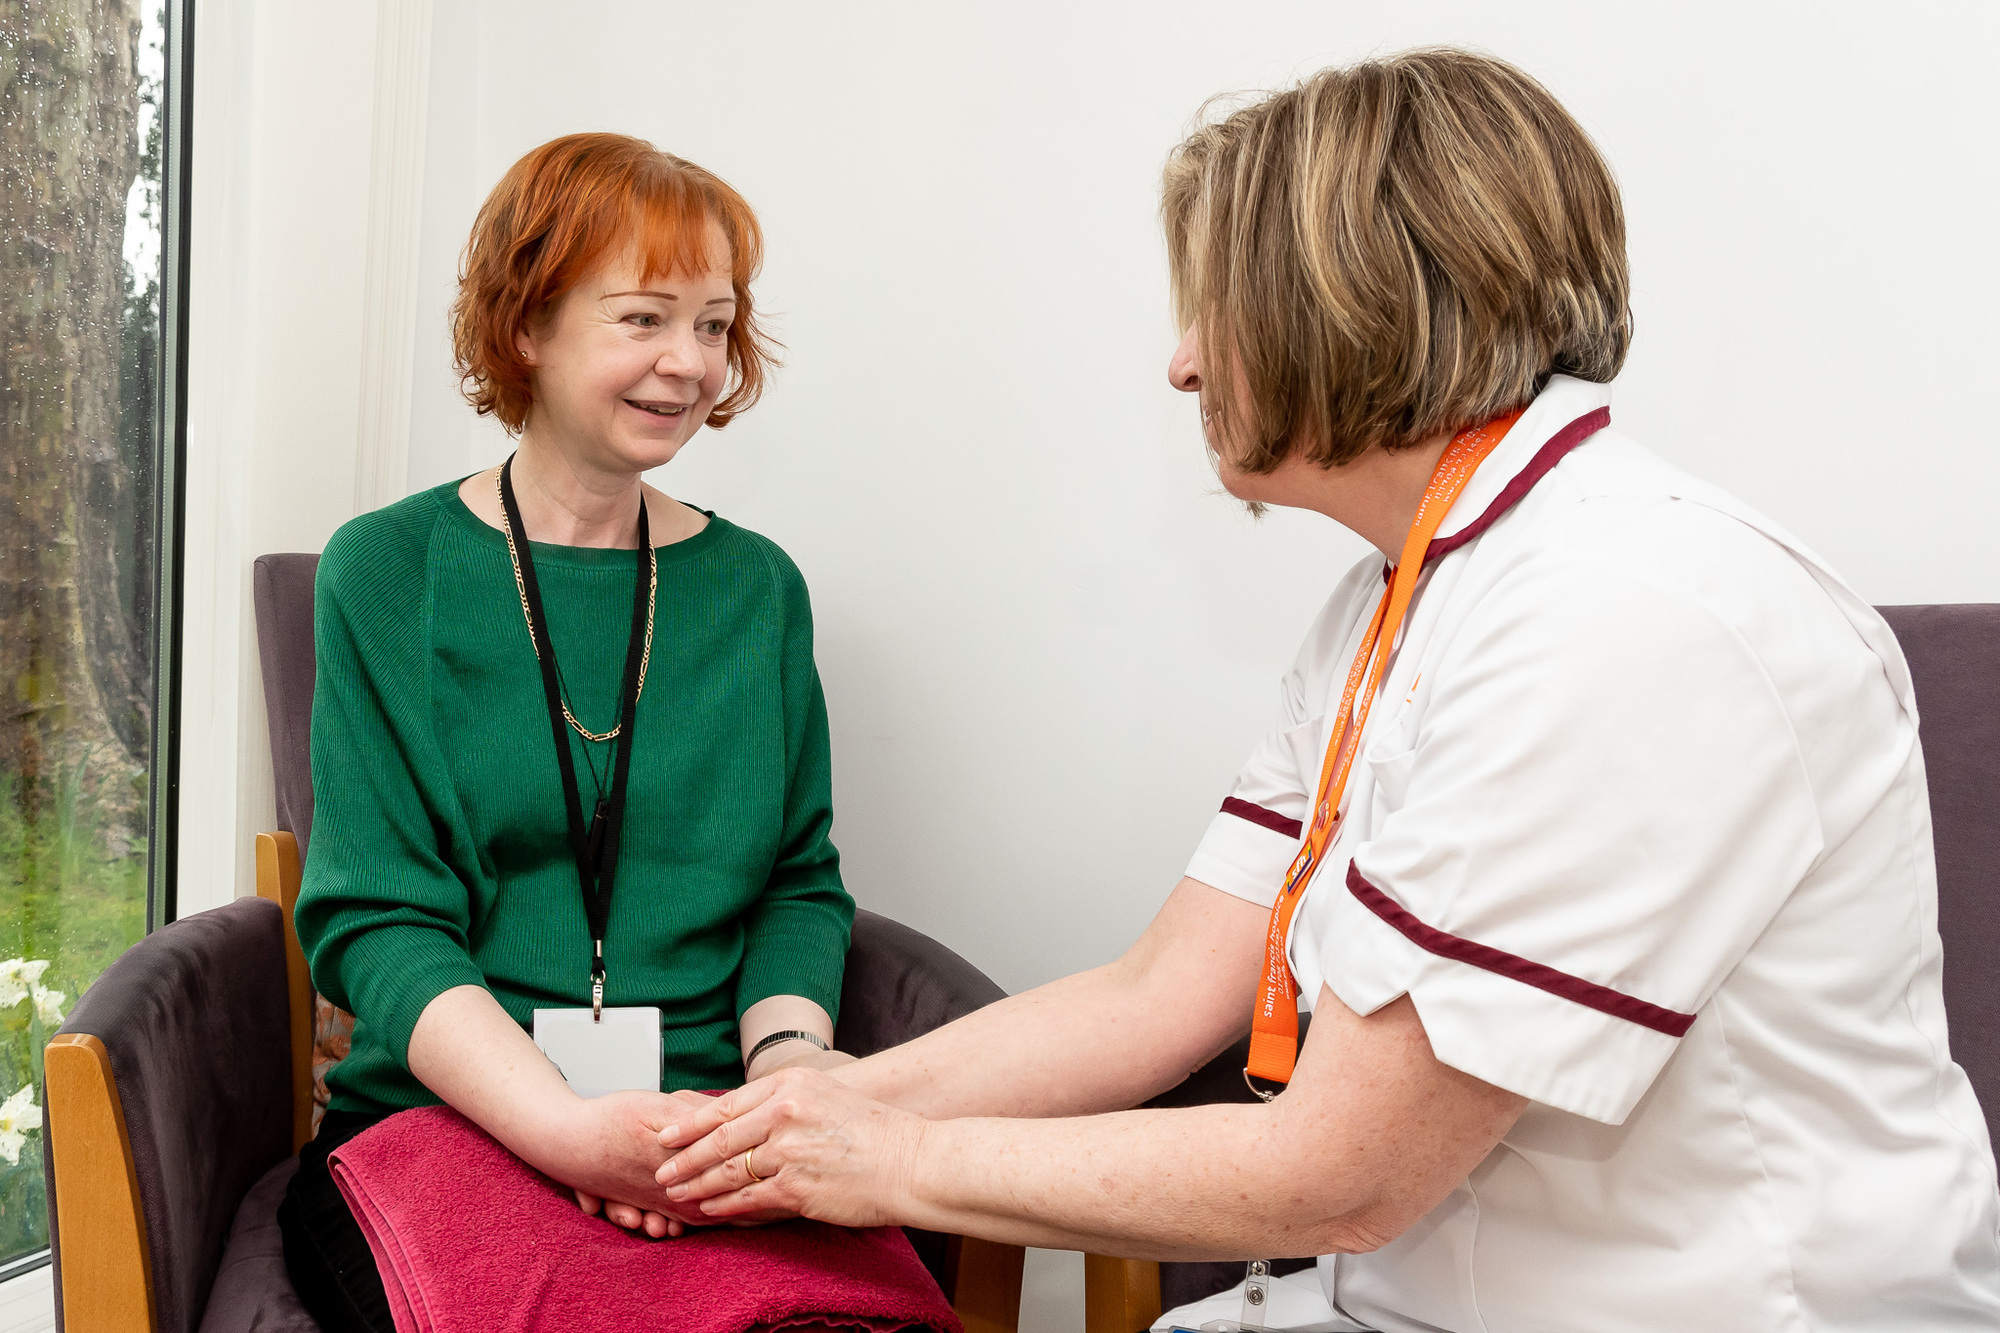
{"x":87,"y":429}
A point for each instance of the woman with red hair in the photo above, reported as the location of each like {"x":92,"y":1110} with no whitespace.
{"x":550,"y":681}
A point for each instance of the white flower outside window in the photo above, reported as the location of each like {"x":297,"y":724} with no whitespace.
{"x":48,"y":1005}
{"x":18,"y":978}
{"x":18,"y":1116}
{"x":21,"y":979}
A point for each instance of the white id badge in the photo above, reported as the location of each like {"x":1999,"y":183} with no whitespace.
{"x":620,"y":1054}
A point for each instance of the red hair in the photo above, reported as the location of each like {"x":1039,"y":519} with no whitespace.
{"x":564,"y":209}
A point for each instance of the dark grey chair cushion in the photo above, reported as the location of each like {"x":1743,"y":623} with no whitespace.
{"x":1954,"y":655}
{"x":252,"y":1293}
{"x":900,"y":984}
{"x":284,"y":599}
{"x":194,"y":1018}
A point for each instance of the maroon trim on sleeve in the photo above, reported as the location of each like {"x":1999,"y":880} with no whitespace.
{"x":1545,"y":459}
{"x":1575,"y":989}
{"x":1257,"y":814}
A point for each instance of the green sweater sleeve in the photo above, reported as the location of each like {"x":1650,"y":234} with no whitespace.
{"x":382,"y":918}
{"x":795,"y":938}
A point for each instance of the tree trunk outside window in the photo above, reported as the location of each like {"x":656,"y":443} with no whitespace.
{"x":75,"y":674}
{"x":79,"y":356}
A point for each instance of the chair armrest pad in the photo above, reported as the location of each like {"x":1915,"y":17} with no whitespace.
{"x":195,"y":1020}
{"x":900,"y":984}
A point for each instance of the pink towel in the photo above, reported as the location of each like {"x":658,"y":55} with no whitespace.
{"x":471,"y":1239}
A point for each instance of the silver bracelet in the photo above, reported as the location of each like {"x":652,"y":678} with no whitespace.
{"x":789,"y":1034}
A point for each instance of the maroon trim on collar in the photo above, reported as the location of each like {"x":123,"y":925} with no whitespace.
{"x":1562,"y":984}
{"x":1257,"y":814}
{"x":1545,"y":459}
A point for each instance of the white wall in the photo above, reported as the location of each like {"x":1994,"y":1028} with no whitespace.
{"x":1046,"y":639}
{"x":279,"y":203}
{"x":307,"y":219}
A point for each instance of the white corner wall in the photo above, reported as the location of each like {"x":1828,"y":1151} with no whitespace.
{"x":1047,"y":641}
{"x":278,"y":201}
{"x":308,"y":140}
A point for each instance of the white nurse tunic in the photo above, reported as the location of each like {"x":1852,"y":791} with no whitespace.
{"x":1641,"y":828}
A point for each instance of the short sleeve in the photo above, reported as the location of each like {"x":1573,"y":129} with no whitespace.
{"x":1254,"y":836}
{"x":1603,"y":807}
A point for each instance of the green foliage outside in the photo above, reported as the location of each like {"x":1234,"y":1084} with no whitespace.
{"x":65,"y":903}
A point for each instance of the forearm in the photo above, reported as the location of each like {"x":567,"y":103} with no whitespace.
{"x":1205,"y":1183}
{"x":1372,"y":1132}
{"x":467,"y":1050}
{"x":1072,"y":1047}
{"x":1094,"y":1041}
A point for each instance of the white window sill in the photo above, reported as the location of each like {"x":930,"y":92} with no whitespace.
{"x":28,"y":1302}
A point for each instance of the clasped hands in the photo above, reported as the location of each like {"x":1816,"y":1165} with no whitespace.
{"x":818,"y":1149}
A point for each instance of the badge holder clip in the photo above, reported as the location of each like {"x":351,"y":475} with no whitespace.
{"x":1256,"y":1295}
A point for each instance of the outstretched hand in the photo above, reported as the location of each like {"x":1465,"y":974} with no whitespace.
{"x":818,"y":1148}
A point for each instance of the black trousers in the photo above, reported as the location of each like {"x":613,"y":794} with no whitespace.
{"x":331,"y":1266}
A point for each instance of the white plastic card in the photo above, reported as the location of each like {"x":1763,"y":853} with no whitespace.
{"x":619,"y":1054}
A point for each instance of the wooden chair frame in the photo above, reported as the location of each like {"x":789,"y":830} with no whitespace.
{"x":106,"y":1270}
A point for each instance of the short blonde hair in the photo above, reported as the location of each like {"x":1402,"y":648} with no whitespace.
{"x":1392,"y":250}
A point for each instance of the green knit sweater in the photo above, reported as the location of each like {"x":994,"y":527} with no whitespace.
{"x":439,"y":854}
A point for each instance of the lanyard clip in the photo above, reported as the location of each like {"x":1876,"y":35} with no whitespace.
{"x":1251,"y":1081}
{"x":597,"y":985}
{"x":1256,"y":1292}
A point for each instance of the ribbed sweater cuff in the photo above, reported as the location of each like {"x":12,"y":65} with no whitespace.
{"x":793,"y":962}
{"x":393,"y":972}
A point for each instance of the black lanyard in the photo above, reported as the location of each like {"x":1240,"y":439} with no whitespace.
{"x":596,"y":846}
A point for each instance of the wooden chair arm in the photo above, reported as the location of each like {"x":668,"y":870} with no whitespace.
{"x":1120,"y":1295}
{"x":107,"y":1274}
{"x":984,"y":1279}
{"x":278,"y":878}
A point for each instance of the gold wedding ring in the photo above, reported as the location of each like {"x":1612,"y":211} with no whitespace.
{"x":749,"y":1166}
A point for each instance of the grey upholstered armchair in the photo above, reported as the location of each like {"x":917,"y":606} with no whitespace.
{"x":181,"y":1088}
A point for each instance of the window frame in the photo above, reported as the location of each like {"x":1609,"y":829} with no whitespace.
{"x":27,"y":1300}
{"x":170,"y":465}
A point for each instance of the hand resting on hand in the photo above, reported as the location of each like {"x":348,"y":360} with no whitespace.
{"x":821,"y":1150}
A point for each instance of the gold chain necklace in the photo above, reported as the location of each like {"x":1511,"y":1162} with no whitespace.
{"x":521,"y":586}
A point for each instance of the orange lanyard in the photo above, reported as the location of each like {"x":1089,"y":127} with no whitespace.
{"x":1274,"y":1028}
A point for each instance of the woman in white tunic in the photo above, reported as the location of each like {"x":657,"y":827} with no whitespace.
{"x":1617,"y":922}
